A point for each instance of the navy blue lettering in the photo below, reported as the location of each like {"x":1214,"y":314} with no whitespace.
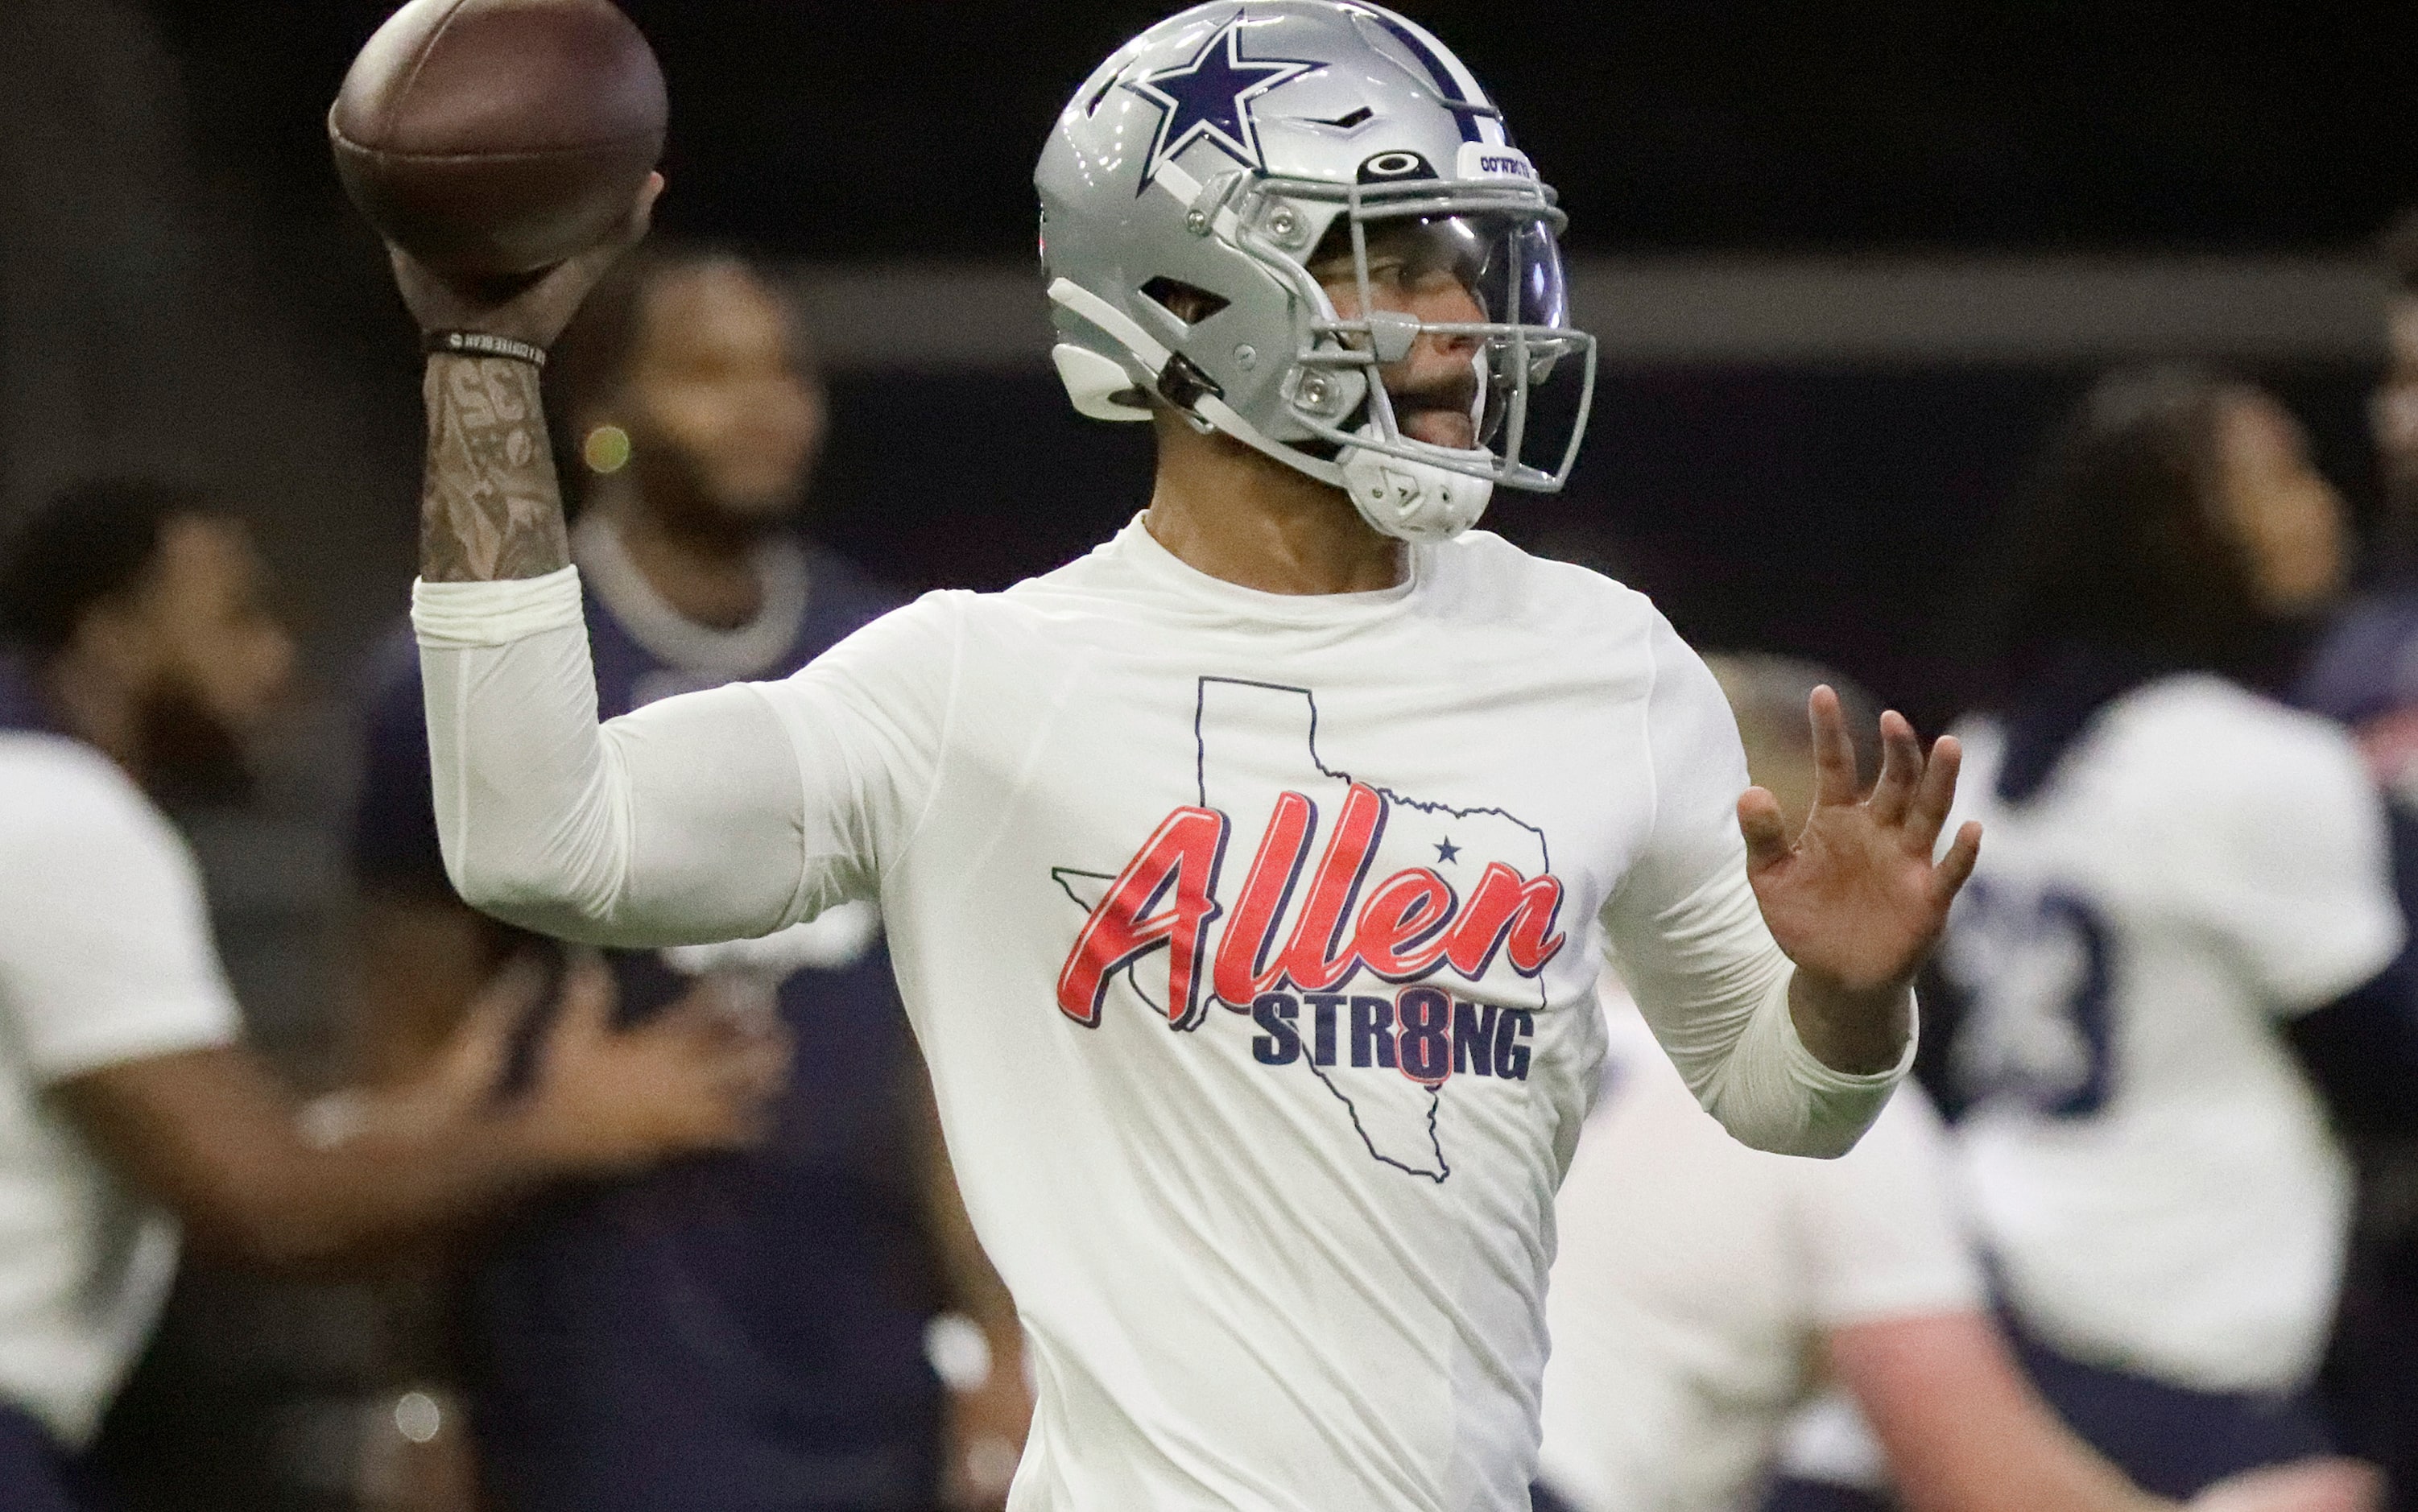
{"x":1425,"y":1042}
{"x":1473,"y":1038}
{"x":1372,"y":1031}
{"x":1511,"y":1043}
{"x":1322,"y":1043}
{"x":1281,"y":1046}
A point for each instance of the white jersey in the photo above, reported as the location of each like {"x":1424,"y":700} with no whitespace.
{"x":105,"y":957}
{"x":1698,"y":1277}
{"x":2150,"y":1170}
{"x":1251,"y":942}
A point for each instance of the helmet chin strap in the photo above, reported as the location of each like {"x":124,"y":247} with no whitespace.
{"x":1416,"y":500}
{"x":1399,"y":497}
{"x":1413,"y":500}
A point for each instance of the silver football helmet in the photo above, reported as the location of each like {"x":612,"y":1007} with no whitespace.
{"x":1262,"y":212}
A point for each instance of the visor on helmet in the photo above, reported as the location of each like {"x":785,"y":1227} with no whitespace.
{"x":1452,"y":297}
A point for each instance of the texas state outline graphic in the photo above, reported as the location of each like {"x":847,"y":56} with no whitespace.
{"x":1256,"y":741}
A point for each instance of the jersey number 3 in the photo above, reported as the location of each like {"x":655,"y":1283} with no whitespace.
{"x":2033,"y":969}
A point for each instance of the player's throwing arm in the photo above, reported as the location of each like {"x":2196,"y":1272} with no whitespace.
{"x":545,"y":817}
{"x":504,"y":194}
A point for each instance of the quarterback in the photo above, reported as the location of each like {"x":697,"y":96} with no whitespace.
{"x":1247,"y":878}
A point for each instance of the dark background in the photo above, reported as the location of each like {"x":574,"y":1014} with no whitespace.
{"x":908,"y":128}
{"x":1827,"y":509}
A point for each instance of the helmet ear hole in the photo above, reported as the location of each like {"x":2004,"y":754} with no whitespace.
{"x":1188,"y":304}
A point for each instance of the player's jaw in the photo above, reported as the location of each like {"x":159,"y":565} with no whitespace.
{"x":221,"y":665}
{"x":1435,"y":390}
{"x":2394,"y":418}
{"x":725,"y":418}
{"x":695,"y":494}
{"x":1439,"y":407}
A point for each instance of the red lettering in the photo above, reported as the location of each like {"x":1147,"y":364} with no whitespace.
{"x":1181,"y":856}
{"x":1241,"y":973}
{"x":1309,"y":960}
{"x":1509,"y":914}
{"x":1401,"y":927}
{"x":1402,"y":930}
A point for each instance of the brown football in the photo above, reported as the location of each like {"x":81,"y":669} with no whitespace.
{"x":491,"y":138}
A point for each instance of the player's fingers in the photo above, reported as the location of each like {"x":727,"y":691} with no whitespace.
{"x":560,"y":291}
{"x":642,"y":210}
{"x":1834,"y":754}
{"x":1957,"y":864}
{"x":1901,"y":769}
{"x":736,"y":1038}
{"x":730,"y":1049}
{"x":746,"y":1128}
{"x":1926,"y":815}
{"x":757,"y":1070}
{"x":587,"y":1004}
{"x":734,"y":1089}
{"x":476,"y":1052}
{"x":410,"y":272}
{"x":1766,"y":835}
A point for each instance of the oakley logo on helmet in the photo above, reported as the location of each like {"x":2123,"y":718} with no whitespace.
{"x":1388,"y":167}
{"x":1210,"y":98}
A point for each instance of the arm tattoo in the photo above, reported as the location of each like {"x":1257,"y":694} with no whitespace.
{"x":489,"y":505}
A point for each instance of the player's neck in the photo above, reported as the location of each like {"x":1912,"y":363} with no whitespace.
{"x":89,"y":704}
{"x":709,"y":580}
{"x":1227,"y":510}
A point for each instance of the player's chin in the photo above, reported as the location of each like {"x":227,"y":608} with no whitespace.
{"x":753,"y":505}
{"x":1442,"y":428}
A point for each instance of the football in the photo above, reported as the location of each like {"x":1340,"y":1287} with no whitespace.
{"x":494,"y":138}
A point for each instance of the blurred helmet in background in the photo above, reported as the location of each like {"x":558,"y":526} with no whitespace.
{"x":1239,"y":210}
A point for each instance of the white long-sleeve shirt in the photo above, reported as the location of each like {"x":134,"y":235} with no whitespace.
{"x":1251,"y":940}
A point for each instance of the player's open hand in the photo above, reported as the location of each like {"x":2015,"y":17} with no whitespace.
{"x":1858,"y":900}
{"x":535,"y":310}
{"x":693,"y":1078}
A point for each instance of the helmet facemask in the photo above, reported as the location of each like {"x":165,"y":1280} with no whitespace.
{"x":1433,"y":358}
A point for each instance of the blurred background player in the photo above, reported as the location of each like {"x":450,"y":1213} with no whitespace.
{"x":2183,"y":951}
{"x":139,"y":649}
{"x":1702,"y":1291}
{"x":746,"y":1333}
{"x":2365,"y":674}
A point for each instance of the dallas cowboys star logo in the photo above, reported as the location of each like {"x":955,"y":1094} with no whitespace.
{"x":1211,"y":97}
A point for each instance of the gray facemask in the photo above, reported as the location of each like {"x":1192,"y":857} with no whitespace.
{"x":1230,"y":177}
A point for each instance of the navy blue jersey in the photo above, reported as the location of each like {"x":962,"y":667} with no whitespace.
{"x":2366,"y":668}
{"x":2365,"y":674}
{"x":741,"y":1331}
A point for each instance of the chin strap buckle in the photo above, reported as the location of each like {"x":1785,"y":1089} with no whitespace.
{"x":1182,"y":384}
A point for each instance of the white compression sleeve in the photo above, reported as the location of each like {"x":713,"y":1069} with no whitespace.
{"x":1714,"y":987}
{"x":677,"y":824}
